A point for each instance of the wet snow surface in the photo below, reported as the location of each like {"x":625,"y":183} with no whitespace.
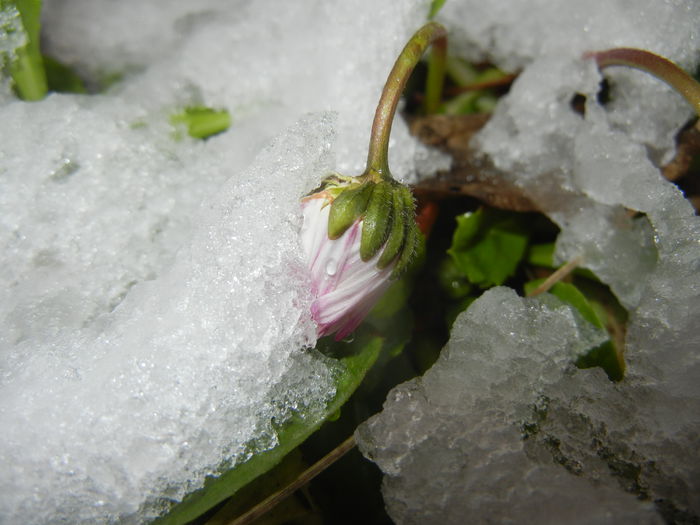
{"x":154,"y":315}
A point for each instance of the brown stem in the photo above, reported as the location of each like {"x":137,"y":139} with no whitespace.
{"x":478,"y":86}
{"x":378,"y":156}
{"x":306,"y":476}
{"x":557,"y":276}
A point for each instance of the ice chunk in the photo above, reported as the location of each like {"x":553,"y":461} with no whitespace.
{"x":503,"y":428}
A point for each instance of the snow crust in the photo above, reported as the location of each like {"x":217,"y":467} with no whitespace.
{"x":502,"y":428}
{"x":12,"y":37}
{"x":155,"y":322}
{"x":155,"y":313}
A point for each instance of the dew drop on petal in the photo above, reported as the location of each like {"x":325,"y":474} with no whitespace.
{"x":331,"y":267}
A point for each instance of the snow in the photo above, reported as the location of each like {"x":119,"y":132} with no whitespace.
{"x":155,"y":315}
{"x":513,"y":432}
{"x":12,"y":37}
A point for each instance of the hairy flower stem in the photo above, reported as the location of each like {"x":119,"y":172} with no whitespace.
{"x":658,"y":66}
{"x":431,"y":33}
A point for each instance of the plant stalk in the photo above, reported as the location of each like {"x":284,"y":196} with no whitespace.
{"x":658,"y":66}
{"x":27,"y":70}
{"x":314,"y":470}
{"x":431,"y":33}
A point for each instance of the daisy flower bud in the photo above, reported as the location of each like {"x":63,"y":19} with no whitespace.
{"x":360,"y":232}
{"x":356,"y":237}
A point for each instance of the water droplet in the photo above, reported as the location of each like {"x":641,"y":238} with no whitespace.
{"x":331,"y":267}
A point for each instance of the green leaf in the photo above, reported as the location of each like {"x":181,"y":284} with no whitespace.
{"x":608,"y":355}
{"x":460,"y":71}
{"x":488,"y":245}
{"x":435,"y":7}
{"x":27,"y":68}
{"x":361,"y":355}
{"x":394,"y":299}
{"x":202,"y":122}
{"x":541,"y":255}
{"x":61,"y":78}
{"x":474,"y":100}
{"x":294,"y":509}
{"x":452,"y":280}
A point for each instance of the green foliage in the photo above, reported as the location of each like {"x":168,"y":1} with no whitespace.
{"x":201,"y":122}
{"x":61,"y":78}
{"x":488,"y":245}
{"x":541,"y":255}
{"x":435,"y":7}
{"x":294,"y":509}
{"x":452,"y":280}
{"x":475,"y":97}
{"x":34,"y":74}
{"x":361,"y":354}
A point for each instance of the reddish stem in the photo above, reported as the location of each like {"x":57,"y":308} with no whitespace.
{"x":658,"y":66}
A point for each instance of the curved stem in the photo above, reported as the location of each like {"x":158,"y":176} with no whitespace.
{"x":431,"y":33}
{"x":658,"y":66}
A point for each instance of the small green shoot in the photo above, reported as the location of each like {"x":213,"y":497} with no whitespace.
{"x":435,"y":7}
{"x":26,"y":67}
{"x":201,"y":122}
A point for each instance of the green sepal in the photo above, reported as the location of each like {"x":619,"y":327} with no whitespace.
{"x":411,"y":239}
{"x":375,"y":225}
{"x":397,"y":231}
{"x":347,"y":208}
{"x":333,"y":183}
